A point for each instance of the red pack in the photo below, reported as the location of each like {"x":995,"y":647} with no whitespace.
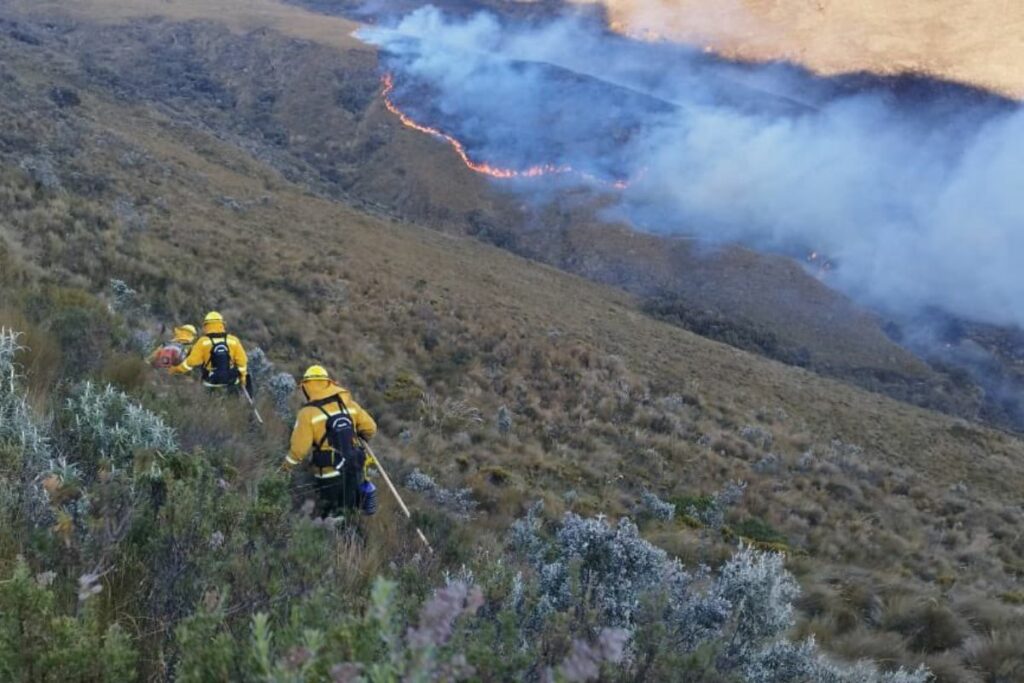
{"x":168,"y":355}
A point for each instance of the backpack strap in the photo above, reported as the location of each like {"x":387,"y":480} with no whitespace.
{"x":319,"y":405}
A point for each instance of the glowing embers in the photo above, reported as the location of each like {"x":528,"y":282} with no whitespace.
{"x":536,"y":171}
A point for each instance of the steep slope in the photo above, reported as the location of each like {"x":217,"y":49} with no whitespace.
{"x":437,"y":332}
{"x":312,"y":112}
{"x":195,"y":198}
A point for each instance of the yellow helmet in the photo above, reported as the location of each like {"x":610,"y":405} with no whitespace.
{"x":185,"y":334}
{"x":314,"y":373}
{"x":213,"y":317}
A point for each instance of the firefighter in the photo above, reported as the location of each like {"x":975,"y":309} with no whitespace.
{"x":219,"y":355}
{"x":171,"y":353}
{"x":330,"y":429}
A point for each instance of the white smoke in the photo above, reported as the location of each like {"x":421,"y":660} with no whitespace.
{"x":918,"y":207}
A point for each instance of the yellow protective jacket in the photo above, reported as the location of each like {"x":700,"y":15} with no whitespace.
{"x":199,"y":355}
{"x":311,"y":424}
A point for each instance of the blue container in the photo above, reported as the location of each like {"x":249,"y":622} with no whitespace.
{"x":368,"y":494}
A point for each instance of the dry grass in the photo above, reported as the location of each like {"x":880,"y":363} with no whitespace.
{"x":323,"y":127}
{"x":239,"y":15}
{"x":606,"y":402}
{"x":971,"y":41}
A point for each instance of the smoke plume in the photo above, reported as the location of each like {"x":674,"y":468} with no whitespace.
{"x":913,"y":195}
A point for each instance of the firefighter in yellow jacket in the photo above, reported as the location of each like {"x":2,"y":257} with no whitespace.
{"x":330,"y":429}
{"x":219,"y":355}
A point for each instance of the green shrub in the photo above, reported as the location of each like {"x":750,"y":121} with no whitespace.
{"x":25,"y":446}
{"x":105,"y":424}
{"x":758,"y":530}
{"x":80,"y":323}
{"x":39,"y":643}
{"x":404,"y":388}
{"x":208,"y":649}
{"x":39,"y":358}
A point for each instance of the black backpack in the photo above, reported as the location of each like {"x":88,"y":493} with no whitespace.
{"x":339,"y":436}
{"x":219,"y":369}
{"x":342,"y":452}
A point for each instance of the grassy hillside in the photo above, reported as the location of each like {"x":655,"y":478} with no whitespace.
{"x":309,"y":108}
{"x":486,"y":370}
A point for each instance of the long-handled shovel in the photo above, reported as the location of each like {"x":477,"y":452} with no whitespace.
{"x":248,"y":397}
{"x":394,"y":492}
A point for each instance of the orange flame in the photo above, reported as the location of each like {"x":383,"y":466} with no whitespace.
{"x":388,"y":83}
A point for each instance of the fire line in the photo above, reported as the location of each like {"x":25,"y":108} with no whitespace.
{"x":484,"y":168}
